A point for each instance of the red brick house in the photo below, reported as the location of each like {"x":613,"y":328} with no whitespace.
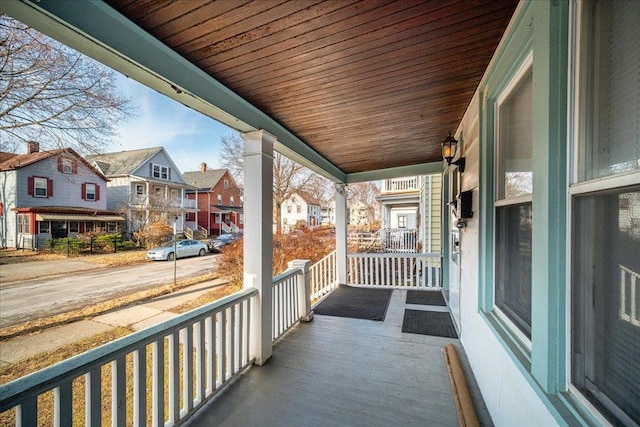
{"x":219,"y":201}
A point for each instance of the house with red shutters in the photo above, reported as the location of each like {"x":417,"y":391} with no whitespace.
{"x":219,"y":201}
{"x":51,"y":194}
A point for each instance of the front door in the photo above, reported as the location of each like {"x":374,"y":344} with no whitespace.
{"x":58,"y":229}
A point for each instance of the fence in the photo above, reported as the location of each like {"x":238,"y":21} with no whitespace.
{"x":110,"y":243}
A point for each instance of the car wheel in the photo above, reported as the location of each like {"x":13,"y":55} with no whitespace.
{"x":170,"y":256}
{"x":202,"y":252}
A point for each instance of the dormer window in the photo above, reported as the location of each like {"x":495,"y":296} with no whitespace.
{"x":67,"y":166}
{"x":161,"y":172}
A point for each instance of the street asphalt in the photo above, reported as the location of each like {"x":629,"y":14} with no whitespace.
{"x":138,"y":316}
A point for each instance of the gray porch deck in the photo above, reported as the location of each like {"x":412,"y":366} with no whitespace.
{"x":347,"y":372}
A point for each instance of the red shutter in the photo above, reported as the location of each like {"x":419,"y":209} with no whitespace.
{"x":30,"y":186}
{"x":97,"y":192}
{"x":83,"y":188}
{"x":60,"y":164}
{"x":49,"y":188}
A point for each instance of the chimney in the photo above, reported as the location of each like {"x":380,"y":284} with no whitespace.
{"x":33,"y":147}
{"x":203,"y":167}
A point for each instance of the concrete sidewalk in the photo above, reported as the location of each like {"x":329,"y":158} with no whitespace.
{"x":139,"y":316}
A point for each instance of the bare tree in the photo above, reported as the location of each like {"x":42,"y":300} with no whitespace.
{"x":288,"y":176}
{"x":232,"y":156}
{"x":54,"y":95}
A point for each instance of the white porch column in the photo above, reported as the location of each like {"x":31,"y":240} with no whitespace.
{"x":341,"y":232}
{"x":258,"y":237}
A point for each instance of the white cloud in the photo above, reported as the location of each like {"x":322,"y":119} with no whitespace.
{"x":189,"y":137}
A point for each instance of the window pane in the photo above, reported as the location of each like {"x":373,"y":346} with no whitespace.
{"x":515,"y":127}
{"x":611,"y":117}
{"x":606,"y":301}
{"x":40,"y":185}
{"x":513,"y":264}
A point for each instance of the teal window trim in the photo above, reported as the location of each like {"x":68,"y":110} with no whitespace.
{"x":541,"y":28}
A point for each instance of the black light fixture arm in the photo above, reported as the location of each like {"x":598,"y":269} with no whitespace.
{"x":460,"y":163}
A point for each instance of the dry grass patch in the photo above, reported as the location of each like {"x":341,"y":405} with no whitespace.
{"x":119,"y":258}
{"x":15,"y":256}
{"x":211,"y":296}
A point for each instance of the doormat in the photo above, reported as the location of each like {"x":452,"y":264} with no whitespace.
{"x":425,"y":298}
{"x":433,"y":323}
{"x":356,"y":303}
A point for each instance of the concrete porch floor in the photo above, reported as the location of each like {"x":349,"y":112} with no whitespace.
{"x":337,"y":371}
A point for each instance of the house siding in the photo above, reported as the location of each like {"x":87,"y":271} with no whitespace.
{"x":67,"y":188}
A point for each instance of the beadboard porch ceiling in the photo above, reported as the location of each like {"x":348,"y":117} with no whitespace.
{"x":368,"y":85}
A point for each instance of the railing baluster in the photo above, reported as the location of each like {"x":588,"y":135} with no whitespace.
{"x":157,"y":386}
{"x":93,"y":397}
{"x":241,"y":323}
{"x":174,"y":376}
{"x":27,"y":412}
{"x":62,"y":401}
{"x":187,"y":368}
{"x":222,"y":349}
{"x":230,"y":334}
{"x":118,"y":392}
{"x":200,"y":346}
{"x":211,"y":353}
{"x":140,"y":387}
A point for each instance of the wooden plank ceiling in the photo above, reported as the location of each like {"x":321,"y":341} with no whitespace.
{"x":369,"y":84}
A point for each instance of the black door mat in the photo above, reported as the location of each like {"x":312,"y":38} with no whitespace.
{"x":434,"y":323}
{"x":425,"y":298}
{"x":356,"y":303}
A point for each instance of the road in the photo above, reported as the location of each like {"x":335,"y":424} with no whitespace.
{"x":42,"y":297}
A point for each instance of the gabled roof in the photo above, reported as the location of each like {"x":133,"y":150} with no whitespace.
{"x":4,"y":156}
{"x":308,"y":198}
{"x":123,"y":162}
{"x":204,"y":180}
{"x":18,"y":161}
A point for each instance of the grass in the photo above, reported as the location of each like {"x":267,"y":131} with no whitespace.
{"x":15,"y":256}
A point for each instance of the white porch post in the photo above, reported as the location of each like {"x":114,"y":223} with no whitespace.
{"x":341,"y":232}
{"x":258,"y":237}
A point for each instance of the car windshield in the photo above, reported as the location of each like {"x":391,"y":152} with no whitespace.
{"x":226,"y":237}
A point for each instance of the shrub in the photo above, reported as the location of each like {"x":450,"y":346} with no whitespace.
{"x":311,"y":245}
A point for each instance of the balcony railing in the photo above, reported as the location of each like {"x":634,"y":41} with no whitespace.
{"x":162,"y":202}
{"x":400,"y":185}
{"x":197,"y":353}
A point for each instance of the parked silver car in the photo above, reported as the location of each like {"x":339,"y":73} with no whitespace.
{"x":184,"y":248}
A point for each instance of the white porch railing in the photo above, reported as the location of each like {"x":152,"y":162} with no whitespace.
{"x":285,"y":300}
{"x":225,"y":228}
{"x":205,"y":348}
{"x":394,"y":270}
{"x":197,"y":353}
{"x":324,"y":276}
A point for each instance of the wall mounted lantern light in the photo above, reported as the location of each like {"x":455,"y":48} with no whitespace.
{"x":449,"y":148}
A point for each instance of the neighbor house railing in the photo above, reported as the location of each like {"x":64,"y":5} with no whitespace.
{"x":394,"y":270}
{"x":196,"y":353}
{"x":400,"y":184}
{"x":399,"y":240}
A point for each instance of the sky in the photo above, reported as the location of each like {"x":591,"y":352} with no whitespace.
{"x":189,"y":137}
